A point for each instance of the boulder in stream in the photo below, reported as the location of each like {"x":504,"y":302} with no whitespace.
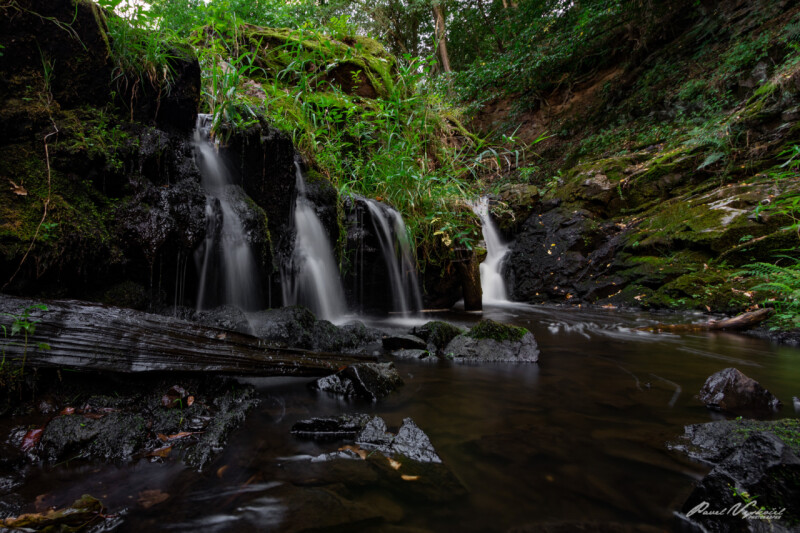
{"x":370,"y":381}
{"x":756,"y":466}
{"x":437,"y":334}
{"x":730,"y":390}
{"x":492,"y":342}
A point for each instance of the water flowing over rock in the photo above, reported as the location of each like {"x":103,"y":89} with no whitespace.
{"x":312,"y":276}
{"x":381,"y":258}
{"x":228,"y":272}
{"x":492,"y":282}
{"x":730,"y":390}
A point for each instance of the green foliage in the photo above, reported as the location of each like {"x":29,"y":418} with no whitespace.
{"x":143,"y":54}
{"x":22,"y":324}
{"x":782,"y":283}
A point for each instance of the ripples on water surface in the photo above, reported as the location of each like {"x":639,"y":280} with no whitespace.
{"x":578,"y":437}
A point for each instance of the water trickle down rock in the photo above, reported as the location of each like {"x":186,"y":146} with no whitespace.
{"x":311,"y":277}
{"x":228,"y":272}
{"x":492,"y":283}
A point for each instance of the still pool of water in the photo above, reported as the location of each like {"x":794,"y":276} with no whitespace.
{"x":579,"y":437}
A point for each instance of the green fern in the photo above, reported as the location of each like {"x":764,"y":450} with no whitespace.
{"x":782,"y":285}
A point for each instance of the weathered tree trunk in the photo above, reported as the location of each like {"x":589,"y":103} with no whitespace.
{"x":441,"y":36}
{"x":94,"y":337}
{"x":743,"y":321}
{"x":469,"y":272}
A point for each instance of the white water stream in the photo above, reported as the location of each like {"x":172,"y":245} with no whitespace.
{"x":492,"y":283}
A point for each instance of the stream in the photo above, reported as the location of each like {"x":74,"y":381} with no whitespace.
{"x":579,"y":437}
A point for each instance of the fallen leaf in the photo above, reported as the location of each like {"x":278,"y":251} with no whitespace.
{"x":31,"y":439}
{"x":160,"y":452}
{"x":190,"y":401}
{"x":355,"y":449}
{"x":394,"y":464}
{"x":94,"y":416}
{"x":176,"y":436}
{"x":405,"y":477}
{"x":149,"y":498}
{"x":19,"y":190}
{"x":67,"y":411}
{"x":221,"y":470}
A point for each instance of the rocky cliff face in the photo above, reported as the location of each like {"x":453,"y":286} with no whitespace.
{"x":656,"y":181}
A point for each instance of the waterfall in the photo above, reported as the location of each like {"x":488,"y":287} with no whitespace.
{"x":492,"y":284}
{"x":393,"y":238}
{"x":227,"y":268}
{"x":312,"y":277}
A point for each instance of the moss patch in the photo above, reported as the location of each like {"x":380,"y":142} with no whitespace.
{"x":489,"y":329}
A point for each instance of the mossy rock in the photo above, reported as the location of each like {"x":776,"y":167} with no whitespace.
{"x":489,"y":329}
{"x":437,"y":333}
{"x":358,"y":65}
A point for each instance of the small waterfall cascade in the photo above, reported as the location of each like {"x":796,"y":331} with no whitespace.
{"x":393,"y":238}
{"x":492,"y":284}
{"x":228,"y":273}
{"x":312,"y":277}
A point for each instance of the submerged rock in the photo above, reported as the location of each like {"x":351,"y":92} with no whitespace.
{"x":403,"y":342}
{"x":331,"y":428}
{"x":730,"y":390}
{"x":492,"y":342}
{"x":370,"y":381}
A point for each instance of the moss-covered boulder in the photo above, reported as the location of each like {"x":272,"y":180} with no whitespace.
{"x":355,"y":64}
{"x":493,"y":342}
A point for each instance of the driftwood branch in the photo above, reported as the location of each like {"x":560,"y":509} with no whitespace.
{"x":743,"y":321}
{"x":95,"y":337}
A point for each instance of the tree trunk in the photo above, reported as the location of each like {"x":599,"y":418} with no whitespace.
{"x":94,"y":337}
{"x":469,"y":273}
{"x":441,"y":36}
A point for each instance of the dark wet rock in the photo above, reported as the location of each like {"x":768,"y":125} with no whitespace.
{"x":730,"y":390}
{"x":370,"y":381}
{"x":564,"y":255}
{"x":332,"y":428}
{"x":114,"y":436}
{"x":437,"y":334}
{"x":713,"y":441}
{"x":413,"y":443}
{"x":491,"y":341}
{"x":321,"y":509}
{"x":410,"y":441}
{"x":125,"y":418}
{"x":403,"y":342}
{"x":254,"y":225}
{"x":225,"y":317}
{"x":520,"y":199}
{"x":375,"y":434}
{"x":411,"y":354}
{"x":297,"y":327}
{"x":764,"y":470}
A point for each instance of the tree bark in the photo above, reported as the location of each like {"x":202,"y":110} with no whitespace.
{"x":441,"y":36}
{"x":94,"y":337}
{"x":743,"y":321}
{"x":469,"y":273}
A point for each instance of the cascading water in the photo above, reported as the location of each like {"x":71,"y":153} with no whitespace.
{"x":312,"y":277}
{"x":393,"y":237}
{"x":227,"y":269}
{"x":492,"y":284}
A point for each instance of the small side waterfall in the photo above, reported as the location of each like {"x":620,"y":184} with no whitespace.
{"x":227,"y":269}
{"x":393,"y":237}
{"x":312,"y":277}
{"x":492,"y":284}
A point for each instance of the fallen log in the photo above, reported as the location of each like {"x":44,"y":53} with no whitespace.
{"x":95,"y":337}
{"x":743,"y":321}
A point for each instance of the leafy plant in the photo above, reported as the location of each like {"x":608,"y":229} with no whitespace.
{"x":782,"y":283}
{"x":24,"y":324}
